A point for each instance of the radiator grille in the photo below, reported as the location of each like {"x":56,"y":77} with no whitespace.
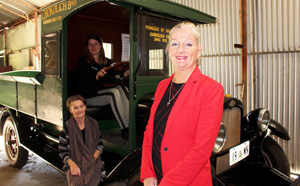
{"x":232,"y":121}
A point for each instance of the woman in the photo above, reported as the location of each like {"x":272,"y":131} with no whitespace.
{"x":185,"y":118}
{"x":91,"y":68}
{"x":80,"y":146}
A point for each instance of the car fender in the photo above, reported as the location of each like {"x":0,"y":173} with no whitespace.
{"x":278,"y":130}
{"x":126,"y":167}
{"x":4,"y":113}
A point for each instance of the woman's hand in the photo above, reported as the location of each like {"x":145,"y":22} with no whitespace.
{"x":150,"y":181}
{"x":101,"y":73}
{"x":96,"y":154}
{"x":126,"y":73}
{"x":75,"y":170}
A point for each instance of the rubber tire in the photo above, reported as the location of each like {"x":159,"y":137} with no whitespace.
{"x":134,"y":179}
{"x":274,"y":156}
{"x":19,"y":157}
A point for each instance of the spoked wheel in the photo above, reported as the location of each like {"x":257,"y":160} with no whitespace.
{"x":16,"y":155}
{"x":274,"y":156}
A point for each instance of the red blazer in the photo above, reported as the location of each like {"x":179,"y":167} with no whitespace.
{"x":190,"y":132}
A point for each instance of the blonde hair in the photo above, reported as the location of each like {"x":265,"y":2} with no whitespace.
{"x":194,"y":29}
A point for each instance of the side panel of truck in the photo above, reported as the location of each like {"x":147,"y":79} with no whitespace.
{"x":26,"y":98}
{"x":8,"y":92}
{"x":49,"y":100}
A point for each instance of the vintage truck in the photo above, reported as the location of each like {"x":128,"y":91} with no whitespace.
{"x":32,"y":102}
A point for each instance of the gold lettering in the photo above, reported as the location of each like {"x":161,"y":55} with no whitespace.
{"x":47,"y":21}
{"x":54,"y":9}
{"x":153,"y":28}
{"x":153,"y":34}
{"x":168,"y":30}
{"x":59,"y":18}
{"x":44,"y":14}
{"x":157,"y":39}
{"x":69,"y":4}
{"x":64,"y":6}
{"x":49,"y":11}
{"x":164,"y":40}
{"x":74,"y":2}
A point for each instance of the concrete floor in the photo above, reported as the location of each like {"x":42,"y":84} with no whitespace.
{"x":35,"y":173}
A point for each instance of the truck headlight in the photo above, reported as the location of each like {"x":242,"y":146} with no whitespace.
{"x":221,"y":138}
{"x":263,"y":120}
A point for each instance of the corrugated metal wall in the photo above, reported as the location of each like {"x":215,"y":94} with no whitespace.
{"x":273,"y":58}
{"x":277,"y":48}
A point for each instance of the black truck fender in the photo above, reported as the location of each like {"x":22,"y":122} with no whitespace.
{"x":278,"y":130}
{"x":126,"y":167}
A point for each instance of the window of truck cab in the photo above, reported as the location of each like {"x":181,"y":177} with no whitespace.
{"x":51,"y":54}
{"x":154,"y":32}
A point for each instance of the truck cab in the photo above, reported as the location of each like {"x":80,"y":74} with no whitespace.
{"x":135,"y":34}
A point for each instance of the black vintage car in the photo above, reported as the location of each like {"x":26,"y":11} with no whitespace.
{"x":245,"y":153}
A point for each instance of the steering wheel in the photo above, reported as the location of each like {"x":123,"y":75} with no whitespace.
{"x":118,"y":66}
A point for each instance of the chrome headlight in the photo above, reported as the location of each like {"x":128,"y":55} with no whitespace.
{"x":221,"y":138}
{"x":263,"y":120}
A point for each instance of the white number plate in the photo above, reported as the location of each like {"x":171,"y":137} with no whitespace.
{"x":239,"y":152}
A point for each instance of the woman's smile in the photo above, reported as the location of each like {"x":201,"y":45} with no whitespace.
{"x":181,"y":58}
{"x":77,"y":108}
{"x":94,"y":47}
{"x":183,"y":49}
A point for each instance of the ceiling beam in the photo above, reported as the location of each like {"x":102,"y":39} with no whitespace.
{"x":13,"y":12}
{"x":13,"y":7}
{"x":28,"y":5}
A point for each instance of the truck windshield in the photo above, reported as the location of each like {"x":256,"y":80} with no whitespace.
{"x":153,"y":32}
